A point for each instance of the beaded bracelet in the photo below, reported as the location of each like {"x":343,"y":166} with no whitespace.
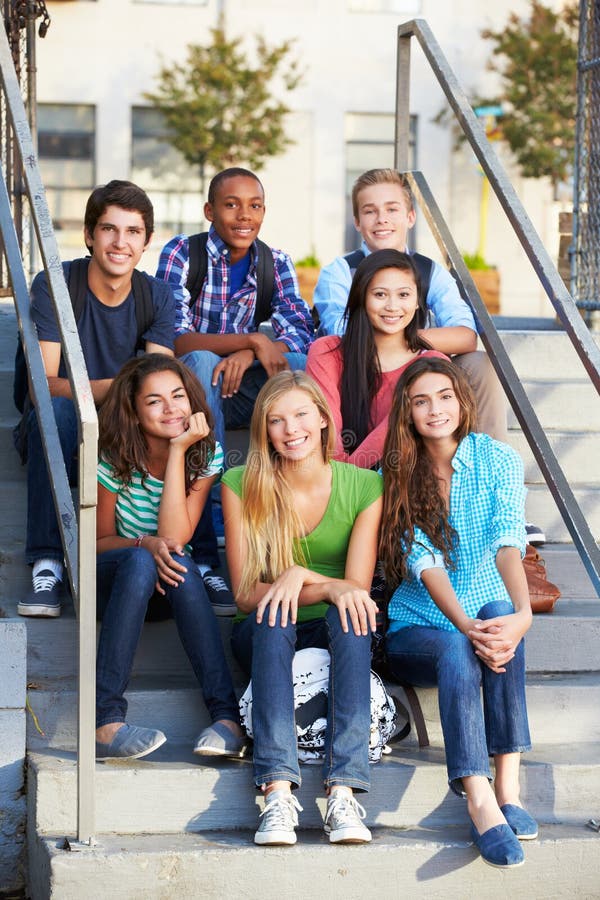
{"x":138,"y":540}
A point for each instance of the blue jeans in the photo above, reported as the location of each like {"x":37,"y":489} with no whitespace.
{"x":425,"y":657}
{"x":267,"y":653}
{"x":43,"y":534}
{"x":125,"y":581}
{"x":232,"y":412}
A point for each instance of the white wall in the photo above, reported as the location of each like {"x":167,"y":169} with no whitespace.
{"x":107,"y":53}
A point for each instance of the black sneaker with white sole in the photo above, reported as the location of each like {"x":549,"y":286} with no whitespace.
{"x":43,"y":598}
{"x":535,"y":535}
{"x":219,"y":594}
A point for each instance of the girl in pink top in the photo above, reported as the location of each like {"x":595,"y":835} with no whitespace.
{"x":358,"y":372}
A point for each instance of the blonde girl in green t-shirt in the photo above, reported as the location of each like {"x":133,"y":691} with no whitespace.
{"x":301,"y":537}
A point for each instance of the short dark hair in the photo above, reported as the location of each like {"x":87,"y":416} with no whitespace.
{"x":125,"y":194}
{"x":233,"y":172}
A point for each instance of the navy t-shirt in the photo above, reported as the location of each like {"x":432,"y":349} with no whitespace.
{"x":108,"y":334}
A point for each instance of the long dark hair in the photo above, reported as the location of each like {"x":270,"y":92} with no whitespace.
{"x":361,"y":370}
{"x":123,"y":444}
{"x":411,"y":494}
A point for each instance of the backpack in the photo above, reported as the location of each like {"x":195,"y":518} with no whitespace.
{"x":265,"y":274}
{"x":310,"y":674}
{"x":424,"y":266}
{"x":77,"y":284}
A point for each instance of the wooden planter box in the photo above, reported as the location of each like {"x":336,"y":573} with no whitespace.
{"x":487,"y":282}
{"x":307,"y":281}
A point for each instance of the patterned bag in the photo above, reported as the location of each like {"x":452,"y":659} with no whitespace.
{"x":311,"y":679}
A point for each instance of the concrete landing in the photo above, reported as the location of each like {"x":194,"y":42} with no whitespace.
{"x":412,"y":863}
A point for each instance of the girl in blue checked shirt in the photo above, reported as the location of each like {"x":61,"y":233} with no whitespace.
{"x":453,"y":535}
{"x":158,"y":461}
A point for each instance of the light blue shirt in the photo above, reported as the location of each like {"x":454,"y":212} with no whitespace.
{"x":445,"y":305}
{"x":487,"y":511}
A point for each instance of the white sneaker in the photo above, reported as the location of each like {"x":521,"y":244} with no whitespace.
{"x":343,"y":820}
{"x":279,"y":818}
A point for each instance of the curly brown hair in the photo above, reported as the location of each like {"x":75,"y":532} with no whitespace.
{"x":411,"y":494}
{"x":121,"y":441}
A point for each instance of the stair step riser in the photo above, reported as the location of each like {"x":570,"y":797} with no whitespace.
{"x":575,"y":452}
{"x":566,"y":406}
{"x":421,"y":865}
{"x":556,"y":712}
{"x":406,"y":791}
{"x":548,"y":355}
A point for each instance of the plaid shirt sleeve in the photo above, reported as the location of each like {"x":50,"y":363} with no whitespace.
{"x":173,"y":267}
{"x":290,"y":318}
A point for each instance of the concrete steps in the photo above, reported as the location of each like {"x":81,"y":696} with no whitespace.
{"x":169,"y":826}
{"x":415,"y":863}
{"x":172,"y":791}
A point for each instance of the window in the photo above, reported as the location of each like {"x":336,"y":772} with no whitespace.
{"x":369,"y":145}
{"x":66,"y":151}
{"x":160,"y":169}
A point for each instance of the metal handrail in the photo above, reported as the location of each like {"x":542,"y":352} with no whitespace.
{"x":78,"y":532}
{"x":545,"y":269}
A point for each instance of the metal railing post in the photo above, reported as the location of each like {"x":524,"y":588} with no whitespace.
{"x":402,"y":131}
{"x":545,"y":269}
{"x":80,"y":554}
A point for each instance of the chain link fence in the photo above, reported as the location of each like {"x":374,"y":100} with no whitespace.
{"x":585,"y":251}
{"x":22,"y":26}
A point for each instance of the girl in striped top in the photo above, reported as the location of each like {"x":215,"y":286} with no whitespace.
{"x":158,"y":461}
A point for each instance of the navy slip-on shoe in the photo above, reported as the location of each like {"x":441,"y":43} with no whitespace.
{"x":219,"y":740}
{"x":499,"y":847}
{"x":523,"y":825}
{"x":131,"y":742}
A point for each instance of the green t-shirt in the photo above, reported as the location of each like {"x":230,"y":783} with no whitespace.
{"x":326,"y":547}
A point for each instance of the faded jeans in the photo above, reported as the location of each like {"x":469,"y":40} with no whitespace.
{"x":267,"y":653}
{"x":425,"y":657}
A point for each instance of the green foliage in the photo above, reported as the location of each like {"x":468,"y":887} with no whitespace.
{"x":308,"y":262}
{"x":219,"y":109}
{"x":475,"y":261}
{"x":536,"y":58}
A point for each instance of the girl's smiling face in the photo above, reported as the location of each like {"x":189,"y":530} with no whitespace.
{"x":434,"y":407}
{"x":294,"y":426}
{"x":392,"y":300}
{"x":162,"y":405}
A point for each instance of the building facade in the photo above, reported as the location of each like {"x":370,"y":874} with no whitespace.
{"x":100,"y":56}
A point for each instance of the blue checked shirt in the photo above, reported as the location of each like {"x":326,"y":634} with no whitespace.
{"x":487,"y":511}
{"x":215,"y":312}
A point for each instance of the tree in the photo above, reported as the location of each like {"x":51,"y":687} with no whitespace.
{"x":536,"y":58}
{"x":219,"y":109}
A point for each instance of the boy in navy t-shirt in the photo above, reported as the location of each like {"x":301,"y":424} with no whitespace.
{"x":118,"y":226}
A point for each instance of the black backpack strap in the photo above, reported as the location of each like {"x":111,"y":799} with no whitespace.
{"x":354,"y":259}
{"x":197,"y":263}
{"x":77,"y":283}
{"x":265,"y":282}
{"x":141,"y":286}
{"x":424,"y":266}
{"x":265,"y":274}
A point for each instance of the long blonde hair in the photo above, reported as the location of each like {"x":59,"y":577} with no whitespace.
{"x":270,"y":523}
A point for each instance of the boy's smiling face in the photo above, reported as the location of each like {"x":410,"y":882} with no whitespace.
{"x":237,"y":213}
{"x":384,"y":217}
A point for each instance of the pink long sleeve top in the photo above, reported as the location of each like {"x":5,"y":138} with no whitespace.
{"x":324,"y":364}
